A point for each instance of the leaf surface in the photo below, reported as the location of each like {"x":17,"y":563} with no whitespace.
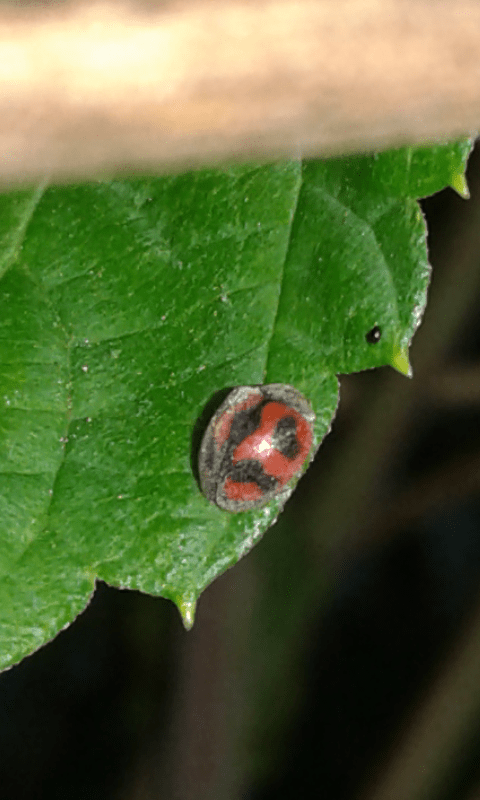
{"x":126,"y":307}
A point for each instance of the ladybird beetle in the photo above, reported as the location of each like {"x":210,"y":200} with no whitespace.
{"x":255,"y":445}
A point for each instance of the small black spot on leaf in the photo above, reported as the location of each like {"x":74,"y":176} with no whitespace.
{"x":374,"y":335}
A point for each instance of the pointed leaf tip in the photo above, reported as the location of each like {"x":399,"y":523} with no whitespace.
{"x":187,"y":607}
{"x":401,"y":363}
{"x":459,"y":184}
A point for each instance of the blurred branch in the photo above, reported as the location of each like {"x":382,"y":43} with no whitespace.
{"x":104,"y":87}
{"x":441,"y":728}
{"x":475,"y":795}
{"x":457,"y":387}
{"x":454,"y":481}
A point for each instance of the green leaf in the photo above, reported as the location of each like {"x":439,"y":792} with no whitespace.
{"x":126,"y":307}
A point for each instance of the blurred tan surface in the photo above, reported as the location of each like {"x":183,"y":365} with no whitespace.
{"x":98,"y":87}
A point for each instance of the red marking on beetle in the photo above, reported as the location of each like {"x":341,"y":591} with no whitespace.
{"x":259,"y":444}
{"x":241,"y":491}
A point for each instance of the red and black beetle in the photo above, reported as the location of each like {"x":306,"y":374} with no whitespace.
{"x":255,"y":445}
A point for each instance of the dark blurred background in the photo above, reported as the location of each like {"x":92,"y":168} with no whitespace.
{"x":341,"y":656}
